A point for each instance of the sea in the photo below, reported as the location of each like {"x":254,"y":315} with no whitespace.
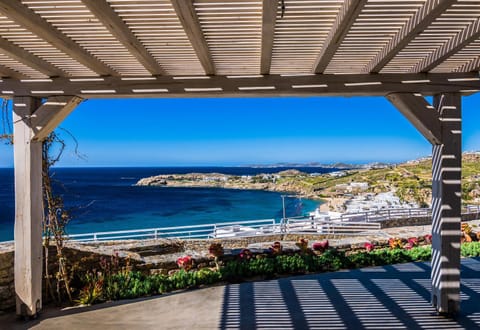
{"x":106,"y":199}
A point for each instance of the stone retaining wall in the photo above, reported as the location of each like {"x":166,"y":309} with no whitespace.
{"x":419,"y":221}
{"x":7,"y":290}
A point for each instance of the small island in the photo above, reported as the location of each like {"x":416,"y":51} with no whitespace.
{"x":346,"y":190}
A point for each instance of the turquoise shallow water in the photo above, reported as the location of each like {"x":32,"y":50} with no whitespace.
{"x":104,"y":199}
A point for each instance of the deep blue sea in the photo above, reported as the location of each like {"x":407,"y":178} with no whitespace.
{"x":105,"y":199}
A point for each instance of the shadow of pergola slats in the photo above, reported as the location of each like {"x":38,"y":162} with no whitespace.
{"x":388,"y":297}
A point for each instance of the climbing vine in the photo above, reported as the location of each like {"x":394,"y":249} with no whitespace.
{"x":56,"y":216}
{"x":55,"y":219}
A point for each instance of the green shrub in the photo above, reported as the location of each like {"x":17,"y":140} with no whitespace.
{"x":471,"y":249}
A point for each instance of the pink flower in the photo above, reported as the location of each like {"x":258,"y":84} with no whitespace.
{"x":185,"y":263}
{"x":428,"y":238}
{"x":245,"y":254}
{"x":369,"y":246}
{"x":413,"y":241}
{"x":320,"y":246}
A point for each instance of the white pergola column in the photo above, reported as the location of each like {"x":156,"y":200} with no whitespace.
{"x":33,"y":121}
{"x":28,"y":208}
{"x":446,"y":205}
{"x":441,"y":126}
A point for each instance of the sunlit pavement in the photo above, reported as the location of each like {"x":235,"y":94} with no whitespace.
{"x":389,"y":297}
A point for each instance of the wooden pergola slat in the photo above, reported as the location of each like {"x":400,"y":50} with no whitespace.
{"x":117,"y":27}
{"x":7,"y":72}
{"x":188,"y":17}
{"x":269,"y":17}
{"x":420,"y":113}
{"x":23,"y":15}
{"x":22,"y":56}
{"x":469,"y":34}
{"x":423,"y":18}
{"x":472,"y":66}
{"x":345,"y":19}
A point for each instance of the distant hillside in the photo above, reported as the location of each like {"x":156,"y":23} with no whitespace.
{"x":412,"y":181}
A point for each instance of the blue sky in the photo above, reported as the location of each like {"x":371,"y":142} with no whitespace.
{"x":225,"y":131}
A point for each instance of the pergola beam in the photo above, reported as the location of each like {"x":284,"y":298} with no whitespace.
{"x":419,"y":22}
{"x":23,"y":15}
{"x":188,"y":17}
{"x":420,"y":113}
{"x":231,"y":86}
{"x":51,"y":113}
{"x":345,"y":19}
{"x":469,"y":34}
{"x":117,"y":27}
{"x":269,"y":18}
{"x":21,"y":55}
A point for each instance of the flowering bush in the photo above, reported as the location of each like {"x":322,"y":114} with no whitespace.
{"x":302,"y":244}
{"x":245,"y":254}
{"x":428,"y":238}
{"x":185,"y":263}
{"x":216,"y":250}
{"x":369,"y":246}
{"x":395,"y":243}
{"x":276,"y":248}
{"x":320,"y":246}
{"x":411,"y":242}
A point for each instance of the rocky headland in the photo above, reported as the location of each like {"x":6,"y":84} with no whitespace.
{"x":289,"y":181}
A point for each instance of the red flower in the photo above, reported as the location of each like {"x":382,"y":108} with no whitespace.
{"x":413,"y":241}
{"x":185,"y":263}
{"x":320,"y":246}
{"x":428,"y":238}
{"x":369,"y":246}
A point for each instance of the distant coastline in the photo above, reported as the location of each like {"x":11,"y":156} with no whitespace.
{"x":286,"y":181}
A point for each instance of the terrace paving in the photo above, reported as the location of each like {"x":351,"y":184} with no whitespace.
{"x":388,"y":297}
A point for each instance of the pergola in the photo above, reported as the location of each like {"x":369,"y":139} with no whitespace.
{"x":56,"y":53}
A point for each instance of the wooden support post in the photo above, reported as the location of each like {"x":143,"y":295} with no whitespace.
{"x":446,"y":206}
{"x":28,"y":209}
{"x":442,"y":126}
{"x":33,"y":122}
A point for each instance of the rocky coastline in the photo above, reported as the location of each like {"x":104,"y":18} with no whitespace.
{"x":283,"y":182}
